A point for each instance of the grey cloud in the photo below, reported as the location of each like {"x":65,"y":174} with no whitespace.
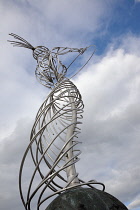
{"x":14,"y":145}
{"x":12,"y":150}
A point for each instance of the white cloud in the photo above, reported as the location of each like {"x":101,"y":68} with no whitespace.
{"x":74,"y":15}
{"x":128,"y":42}
{"x":64,"y":22}
{"x":110,"y":90}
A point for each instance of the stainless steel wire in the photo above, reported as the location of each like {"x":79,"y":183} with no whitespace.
{"x":53,"y":141}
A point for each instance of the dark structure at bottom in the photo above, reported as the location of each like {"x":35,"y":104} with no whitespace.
{"x":86,"y":199}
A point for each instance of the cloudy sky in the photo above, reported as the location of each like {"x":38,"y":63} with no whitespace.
{"x":109,"y":84}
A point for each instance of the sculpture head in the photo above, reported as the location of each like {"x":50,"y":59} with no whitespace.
{"x":50,"y":70}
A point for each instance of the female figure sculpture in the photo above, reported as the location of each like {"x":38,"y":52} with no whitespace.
{"x":53,"y":139}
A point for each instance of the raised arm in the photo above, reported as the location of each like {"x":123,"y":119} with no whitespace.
{"x":65,"y":50}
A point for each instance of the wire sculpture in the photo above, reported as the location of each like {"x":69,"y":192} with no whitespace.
{"x":53,"y":139}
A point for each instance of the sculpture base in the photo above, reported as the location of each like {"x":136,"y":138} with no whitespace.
{"x":86,"y":199}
